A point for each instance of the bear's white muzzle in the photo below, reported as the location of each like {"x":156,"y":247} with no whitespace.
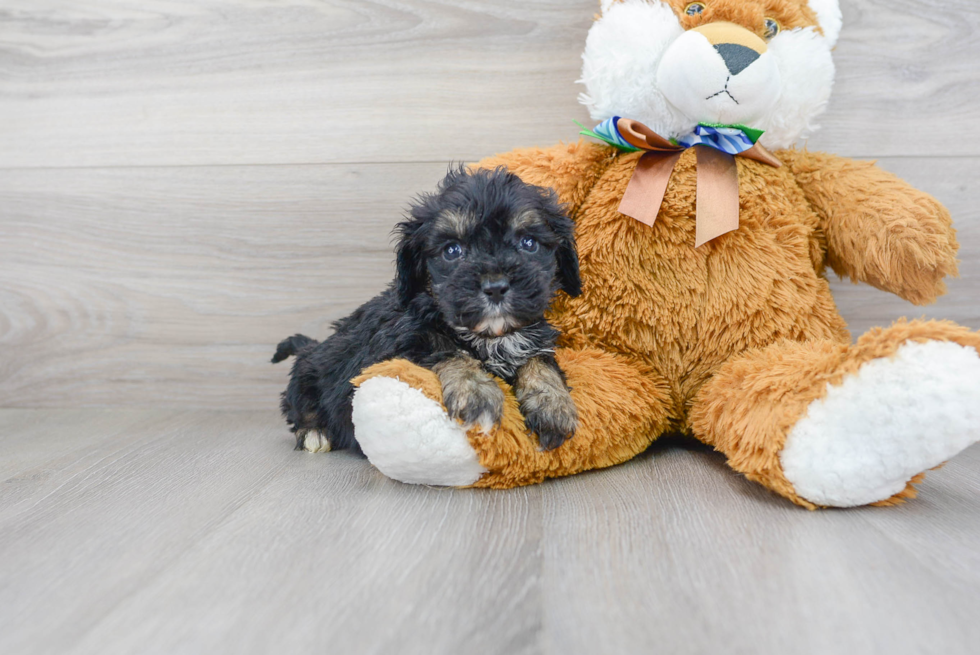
{"x":720,"y":73}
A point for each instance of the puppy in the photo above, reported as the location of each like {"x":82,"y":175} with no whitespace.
{"x":477,"y":265}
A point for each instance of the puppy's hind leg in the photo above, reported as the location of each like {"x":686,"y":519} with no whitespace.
{"x":299,"y":406}
{"x":313,"y":440}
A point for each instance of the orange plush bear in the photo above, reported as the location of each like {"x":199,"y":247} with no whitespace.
{"x":704,"y":238}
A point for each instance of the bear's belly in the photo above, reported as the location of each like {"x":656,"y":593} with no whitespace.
{"x":649,"y":294}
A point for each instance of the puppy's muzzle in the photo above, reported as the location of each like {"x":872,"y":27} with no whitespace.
{"x":495,"y":287}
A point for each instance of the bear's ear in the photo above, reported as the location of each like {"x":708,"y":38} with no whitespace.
{"x":604,"y":5}
{"x":829,"y":17}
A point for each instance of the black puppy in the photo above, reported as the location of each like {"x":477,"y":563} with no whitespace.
{"x":478,"y":263}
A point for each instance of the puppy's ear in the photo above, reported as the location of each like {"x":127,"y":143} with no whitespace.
{"x":410,"y":269}
{"x":566,"y":253}
{"x":410,"y":261}
{"x":568,"y":274}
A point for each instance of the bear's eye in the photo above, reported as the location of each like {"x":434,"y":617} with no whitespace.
{"x":694,"y":9}
{"x":452,"y":251}
{"x":529,"y":244}
{"x":772,"y":28}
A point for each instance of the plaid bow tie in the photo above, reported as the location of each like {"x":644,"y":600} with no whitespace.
{"x":717,"y":147}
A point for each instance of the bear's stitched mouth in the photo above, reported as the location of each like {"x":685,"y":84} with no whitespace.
{"x":725,"y":91}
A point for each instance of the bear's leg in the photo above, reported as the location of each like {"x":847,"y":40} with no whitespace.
{"x":830,"y":424}
{"x":403,"y":428}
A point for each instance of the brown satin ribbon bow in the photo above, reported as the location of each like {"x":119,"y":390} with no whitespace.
{"x":717,"y":195}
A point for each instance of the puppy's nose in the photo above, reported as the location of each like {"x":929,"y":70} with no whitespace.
{"x":737,"y":57}
{"x":496,"y":288}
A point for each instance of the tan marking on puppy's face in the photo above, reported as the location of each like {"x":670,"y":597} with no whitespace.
{"x":526,"y":221}
{"x":454,"y":222}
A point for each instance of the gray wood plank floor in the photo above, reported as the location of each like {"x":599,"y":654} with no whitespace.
{"x":184,"y":182}
{"x":155,"y":531}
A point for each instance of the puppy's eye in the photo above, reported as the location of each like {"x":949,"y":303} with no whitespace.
{"x":452,"y":251}
{"x":694,"y":9}
{"x":529,"y":244}
{"x":772,"y":28}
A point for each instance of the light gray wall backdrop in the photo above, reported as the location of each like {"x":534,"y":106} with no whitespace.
{"x":183,"y":183}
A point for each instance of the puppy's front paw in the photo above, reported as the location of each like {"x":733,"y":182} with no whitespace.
{"x":470,"y":394}
{"x":553,"y":422}
{"x":545,"y":402}
{"x":481,"y":405}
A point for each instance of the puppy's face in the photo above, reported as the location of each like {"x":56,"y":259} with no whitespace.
{"x":490,"y":249}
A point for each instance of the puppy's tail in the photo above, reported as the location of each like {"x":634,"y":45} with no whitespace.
{"x":292,"y":345}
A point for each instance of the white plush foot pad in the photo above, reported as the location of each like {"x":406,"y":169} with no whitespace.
{"x":409,"y":437}
{"x":895,"y":418}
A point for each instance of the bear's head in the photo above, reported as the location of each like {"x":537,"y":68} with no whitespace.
{"x":672,"y":64}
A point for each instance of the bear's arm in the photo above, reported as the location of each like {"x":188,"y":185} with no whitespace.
{"x":571,"y":169}
{"x":879,"y":229}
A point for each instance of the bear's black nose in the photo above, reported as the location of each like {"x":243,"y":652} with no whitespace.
{"x":496,"y":288}
{"x":737,"y":57}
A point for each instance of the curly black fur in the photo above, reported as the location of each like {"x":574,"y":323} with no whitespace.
{"x":487,"y":299}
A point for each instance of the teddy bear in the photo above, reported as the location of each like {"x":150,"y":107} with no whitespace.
{"x":704,"y":240}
